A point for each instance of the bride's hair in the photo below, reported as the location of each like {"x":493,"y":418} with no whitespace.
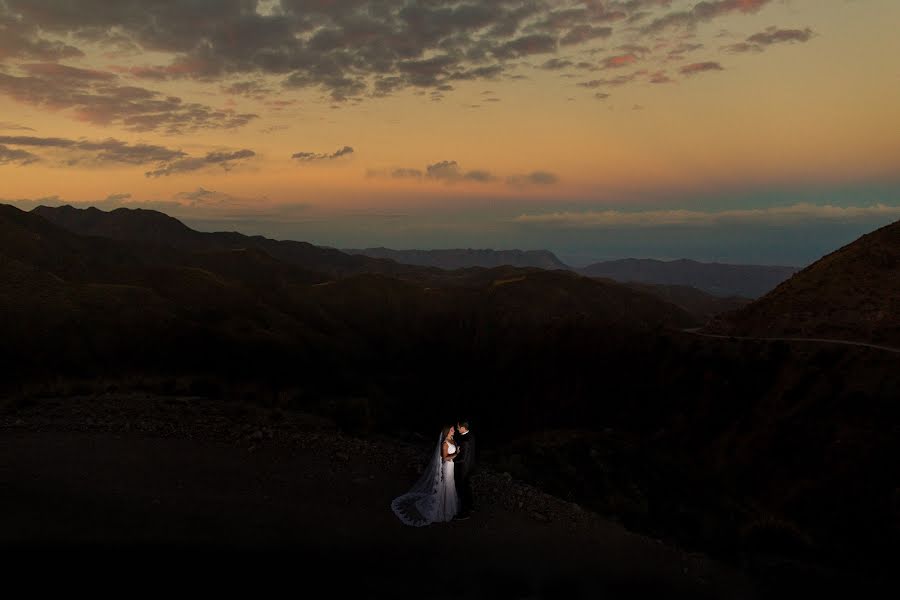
{"x":445,"y":431}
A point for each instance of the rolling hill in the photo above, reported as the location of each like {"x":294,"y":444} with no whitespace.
{"x":701,"y":305}
{"x":153,"y":227}
{"x":463,"y":258}
{"x":747,"y":281}
{"x":851,"y":294}
{"x":175,"y":297}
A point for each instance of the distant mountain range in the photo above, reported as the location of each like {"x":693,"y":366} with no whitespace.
{"x":722,"y":280}
{"x":156,"y":228}
{"x":851,"y":294}
{"x":748,"y":281}
{"x":463,"y":258}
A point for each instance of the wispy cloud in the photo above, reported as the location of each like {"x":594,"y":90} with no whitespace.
{"x":760,"y":41}
{"x":700,"y":67}
{"x":109,"y":150}
{"x":7,"y":126}
{"x":16,"y":156}
{"x":225,"y":160}
{"x":314,"y":156}
{"x":703,"y":12}
{"x":794,"y":213}
{"x":98,"y":97}
{"x":533,"y":178}
{"x":450,"y":171}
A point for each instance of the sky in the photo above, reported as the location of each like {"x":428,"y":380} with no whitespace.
{"x":764,"y":131}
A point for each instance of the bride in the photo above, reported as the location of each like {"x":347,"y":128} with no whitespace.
{"x":433,"y":498}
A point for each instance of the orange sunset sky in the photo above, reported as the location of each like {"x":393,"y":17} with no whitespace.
{"x":593,"y":128}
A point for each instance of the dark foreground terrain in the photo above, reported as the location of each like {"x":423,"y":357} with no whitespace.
{"x":114,"y":479}
{"x":774,"y":456}
{"x":131,"y":481}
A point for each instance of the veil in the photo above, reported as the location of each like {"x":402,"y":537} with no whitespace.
{"x":417,"y":506}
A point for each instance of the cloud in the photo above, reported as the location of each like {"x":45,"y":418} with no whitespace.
{"x":533,"y":178}
{"x":402,"y":173}
{"x":345,"y":49}
{"x":584,"y":33}
{"x":621,"y":60}
{"x":202,"y":197}
{"x":526,"y":45}
{"x":556,"y":64}
{"x":774,"y":35}
{"x":22,"y":41}
{"x":96,"y":97}
{"x":104,"y":151}
{"x":612,"y":81}
{"x":760,"y":41}
{"x":700,"y":67}
{"x":313,"y":156}
{"x":251,"y":89}
{"x":7,"y":126}
{"x":449,"y":171}
{"x":167,"y":160}
{"x":226,"y":160}
{"x":703,"y":12}
{"x":680,"y":50}
{"x":395,"y":173}
{"x":57,"y":71}
{"x":794,"y":213}
{"x":117,"y":198}
{"x":9,"y":156}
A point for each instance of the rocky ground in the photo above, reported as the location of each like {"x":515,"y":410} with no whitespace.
{"x":113,"y":477}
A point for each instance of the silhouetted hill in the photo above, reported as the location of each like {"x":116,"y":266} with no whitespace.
{"x":735,"y":447}
{"x":747,"y":281}
{"x":208,"y":307}
{"x":139,"y":225}
{"x":850,"y":294}
{"x":463,"y":258}
{"x":699,"y":304}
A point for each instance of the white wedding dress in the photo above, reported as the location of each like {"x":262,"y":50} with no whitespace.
{"x":433,"y":499}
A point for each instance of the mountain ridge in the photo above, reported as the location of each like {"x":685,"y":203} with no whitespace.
{"x":851,"y":294}
{"x":150,"y":226}
{"x":456,"y":258}
{"x":718,"y":279}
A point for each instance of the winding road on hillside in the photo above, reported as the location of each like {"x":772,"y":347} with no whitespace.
{"x":696,"y":331}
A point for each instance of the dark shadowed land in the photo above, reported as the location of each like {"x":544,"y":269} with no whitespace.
{"x":852,"y":294}
{"x":463,"y":258}
{"x":724,"y":280}
{"x":772,"y":457}
{"x":127,"y":476}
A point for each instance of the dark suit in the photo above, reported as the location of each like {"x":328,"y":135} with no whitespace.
{"x":464,"y":465}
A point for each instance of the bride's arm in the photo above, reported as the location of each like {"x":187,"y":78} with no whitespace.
{"x":445,"y":454}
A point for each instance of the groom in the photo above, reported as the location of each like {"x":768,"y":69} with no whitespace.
{"x":464,"y":465}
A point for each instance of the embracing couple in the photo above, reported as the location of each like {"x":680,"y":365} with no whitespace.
{"x":444,"y":492}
